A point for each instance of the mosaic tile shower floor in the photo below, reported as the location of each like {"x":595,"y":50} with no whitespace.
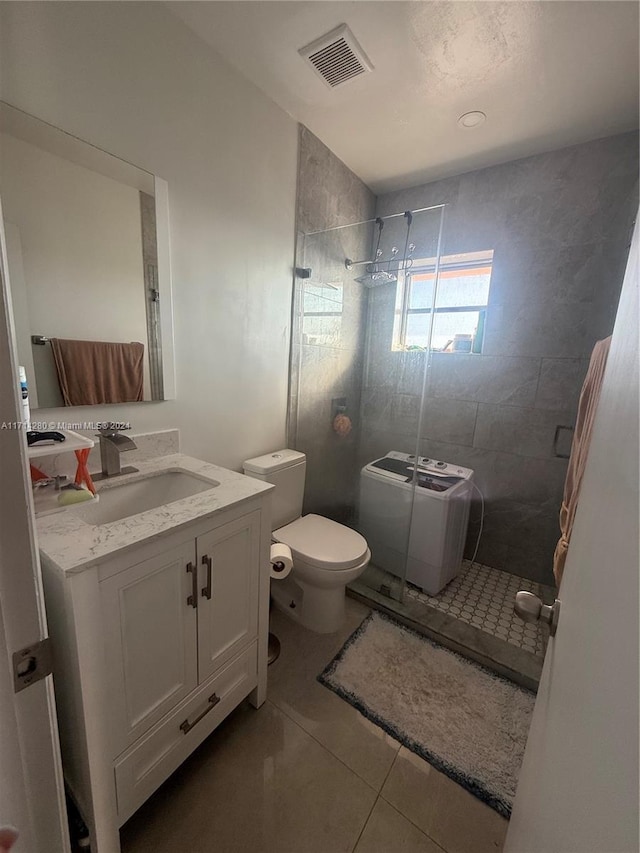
{"x":483,"y":597}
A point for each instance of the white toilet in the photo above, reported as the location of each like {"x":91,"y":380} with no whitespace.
{"x":326,"y":555}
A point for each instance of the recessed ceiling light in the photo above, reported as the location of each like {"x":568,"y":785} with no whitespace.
{"x":472,"y":119}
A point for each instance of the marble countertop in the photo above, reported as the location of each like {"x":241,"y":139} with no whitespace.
{"x":72,"y":544}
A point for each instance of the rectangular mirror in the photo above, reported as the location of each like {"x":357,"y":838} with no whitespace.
{"x":88,"y":252}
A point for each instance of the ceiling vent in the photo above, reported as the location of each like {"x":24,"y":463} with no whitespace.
{"x":337,"y":56}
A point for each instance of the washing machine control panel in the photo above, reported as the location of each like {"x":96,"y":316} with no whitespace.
{"x":450,"y":469}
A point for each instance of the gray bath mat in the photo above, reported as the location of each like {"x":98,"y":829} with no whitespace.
{"x":463,"y":719}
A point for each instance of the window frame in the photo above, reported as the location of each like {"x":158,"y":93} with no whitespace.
{"x":428,"y":266}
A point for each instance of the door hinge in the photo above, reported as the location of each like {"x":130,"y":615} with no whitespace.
{"x":31,"y":664}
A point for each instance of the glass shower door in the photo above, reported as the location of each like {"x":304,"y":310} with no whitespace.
{"x":327,"y":359}
{"x":360,"y":366}
{"x":396,"y":373}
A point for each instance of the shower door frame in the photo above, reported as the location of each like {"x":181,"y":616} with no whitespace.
{"x":295,"y":373}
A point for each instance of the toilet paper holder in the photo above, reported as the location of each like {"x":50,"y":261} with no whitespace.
{"x":281,"y":560}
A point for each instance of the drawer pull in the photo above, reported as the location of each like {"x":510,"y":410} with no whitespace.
{"x":206,"y":589}
{"x":186,"y":726}
{"x":193,"y":598}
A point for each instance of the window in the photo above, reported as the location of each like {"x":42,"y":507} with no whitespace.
{"x":322,"y":313}
{"x":461,"y":301}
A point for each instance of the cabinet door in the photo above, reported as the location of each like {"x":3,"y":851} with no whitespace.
{"x":150,"y":641}
{"x":228,"y":605}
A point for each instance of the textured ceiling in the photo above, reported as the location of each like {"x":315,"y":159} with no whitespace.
{"x":547,"y":74}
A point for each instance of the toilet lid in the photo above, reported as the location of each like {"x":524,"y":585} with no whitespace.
{"x":322,"y":542}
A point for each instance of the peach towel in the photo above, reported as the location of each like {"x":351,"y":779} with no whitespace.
{"x":93,"y":372}
{"x":587,"y":408}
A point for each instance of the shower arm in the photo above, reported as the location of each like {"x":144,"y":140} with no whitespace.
{"x":349,"y":264}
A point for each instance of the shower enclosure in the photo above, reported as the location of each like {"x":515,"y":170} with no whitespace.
{"x":384,"y":320}
{"x":366,"y":309}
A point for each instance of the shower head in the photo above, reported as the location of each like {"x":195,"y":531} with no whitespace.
{"x":376,"y":277}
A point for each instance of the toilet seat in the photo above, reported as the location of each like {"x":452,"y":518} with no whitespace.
{"x":323,"y":543}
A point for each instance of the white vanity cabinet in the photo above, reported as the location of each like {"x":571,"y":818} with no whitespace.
{"x":146,"y":621}
{"x":227,"y":609}
{"x":153,"y":648}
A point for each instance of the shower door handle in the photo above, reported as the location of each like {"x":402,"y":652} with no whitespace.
{"x":531,"y":609}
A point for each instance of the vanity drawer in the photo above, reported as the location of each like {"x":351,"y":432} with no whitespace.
{"x":158,"y":753}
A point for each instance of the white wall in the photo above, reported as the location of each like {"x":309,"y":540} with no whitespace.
{"x":82,"y":249}
{"x":132,"y":79}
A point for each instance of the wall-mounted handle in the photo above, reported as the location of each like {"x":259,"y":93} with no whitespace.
{"x":206,"y":589}
{"x":186,"y":725}
{"x":193,"y":598}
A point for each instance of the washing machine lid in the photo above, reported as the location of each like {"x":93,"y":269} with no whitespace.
{"x":432,"y":475}
{"x":322,"y":542}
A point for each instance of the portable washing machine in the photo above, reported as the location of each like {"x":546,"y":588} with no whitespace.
{"x":435,"y":527}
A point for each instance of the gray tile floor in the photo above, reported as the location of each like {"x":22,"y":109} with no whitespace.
{"x":308,"y":774}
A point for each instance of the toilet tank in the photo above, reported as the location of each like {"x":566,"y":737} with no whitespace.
{"x":286,"y":469}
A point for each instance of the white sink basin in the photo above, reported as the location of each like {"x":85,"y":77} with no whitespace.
{"x":126,"y":499}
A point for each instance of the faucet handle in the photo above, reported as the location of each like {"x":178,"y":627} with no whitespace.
{"x":50,"y":481}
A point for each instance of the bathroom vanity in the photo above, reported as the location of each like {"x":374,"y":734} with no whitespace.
{"x":157,"y":598}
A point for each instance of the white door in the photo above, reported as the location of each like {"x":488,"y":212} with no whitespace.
{"x":578,"y":789}
{"x":31,"y":786}
{"x":150,"y":640}
{"x":228,"y":605}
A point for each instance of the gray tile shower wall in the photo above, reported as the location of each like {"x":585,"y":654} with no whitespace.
{"x":328,"y":326}
{"x":559,"y":224}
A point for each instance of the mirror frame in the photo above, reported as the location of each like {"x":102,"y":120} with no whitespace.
{"x":163,"y":242}
{"x":165,"y":286}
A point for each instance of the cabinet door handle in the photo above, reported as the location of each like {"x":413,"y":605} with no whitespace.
{"x":187,"y":725}
{"x":206,"y":589}
{"x":193,"y":598}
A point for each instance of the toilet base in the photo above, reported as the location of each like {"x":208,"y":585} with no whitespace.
{"x":319,"y":610}
{"x":273,"y":652}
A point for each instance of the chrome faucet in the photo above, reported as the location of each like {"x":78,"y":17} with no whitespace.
{"x":112,"y":444}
